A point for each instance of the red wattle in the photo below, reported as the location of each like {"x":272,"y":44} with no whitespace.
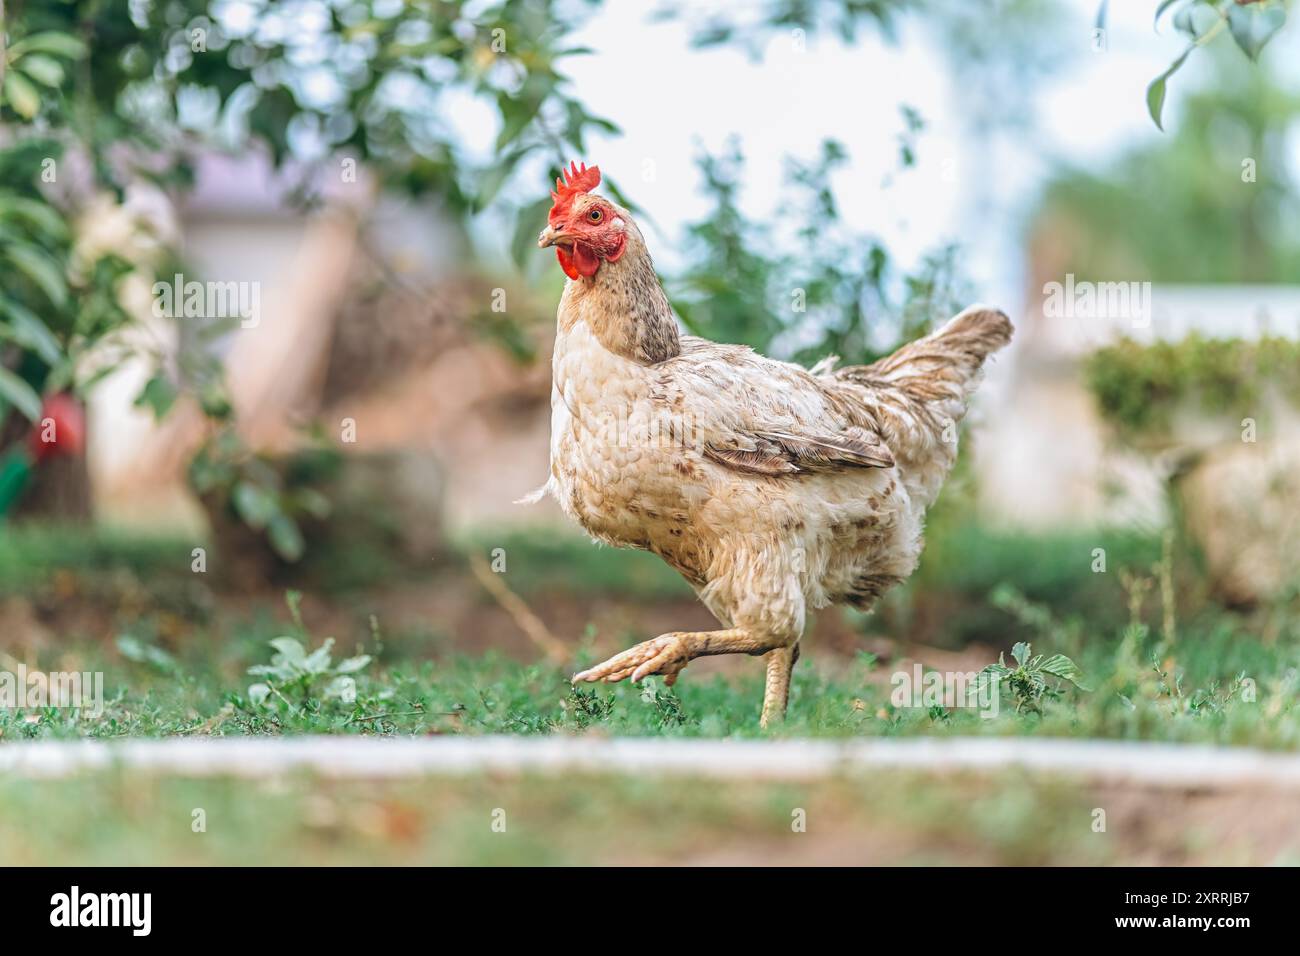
{"x":585,"y":259}
{"x":566,"y":262}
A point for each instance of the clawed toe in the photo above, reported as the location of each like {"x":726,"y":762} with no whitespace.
{"x":665,"y":655}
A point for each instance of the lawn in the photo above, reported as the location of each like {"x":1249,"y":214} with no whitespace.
{"x":1198,"y":694}
{"x":183,"y":658}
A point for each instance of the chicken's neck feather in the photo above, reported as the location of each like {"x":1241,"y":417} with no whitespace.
{"x":625,"y":307}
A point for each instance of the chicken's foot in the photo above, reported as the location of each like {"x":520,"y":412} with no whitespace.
{"x":669,"y":653}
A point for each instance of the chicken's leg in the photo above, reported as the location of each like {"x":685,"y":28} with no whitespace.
{"x":776,"y":695}
{"x":669,"y":653}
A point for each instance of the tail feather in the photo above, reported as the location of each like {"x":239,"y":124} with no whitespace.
{"x":945,"y":362}
{"x":919,"y":393}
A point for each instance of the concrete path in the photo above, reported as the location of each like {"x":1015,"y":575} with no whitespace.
{"x":1143,"y":764}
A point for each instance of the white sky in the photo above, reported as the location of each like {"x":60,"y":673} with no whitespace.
{"x":669,"y":99}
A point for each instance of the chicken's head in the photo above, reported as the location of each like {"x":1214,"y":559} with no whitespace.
{"x":585,"y":229}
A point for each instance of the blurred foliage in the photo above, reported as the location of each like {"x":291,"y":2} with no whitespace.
{"x":99,"y":94}
{"x":995,"y":50}
{"x":1215,"y":201}
{"x":58,"y":302}
{"x":135,"y":90}
{"x":839,"y":293}
{"x":1138,"y":387}
{"x":996,"y":53}
{"x":998,"y":60}
{"x":316,"y":80}
{"x":1250,"y":23}
{"x":965,"y":562}
{"x":543,"y":563}
{"x":38,"y":560}
{"x":268,"y":494}
{"x":750,"y":25}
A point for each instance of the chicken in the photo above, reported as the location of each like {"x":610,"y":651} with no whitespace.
{"x":772,"y":489}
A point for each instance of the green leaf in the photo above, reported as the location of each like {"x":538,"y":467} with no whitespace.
{"x":44,"y":217}
{"x":43,"y":70}
{"x":25,"y":329}
{"x":351,"y":665}
{"x":1156,"y":91}
{"x":270,"y":670}
{"x":15,"y":472}
{"x":1020,"y":652}
{"x":258,"y":693}
{"x":134,"y":649}
{"x":311,"y":502}
{"x":254,"y":504}
{"x":1164,"y":5}
{"x":1197,"y":19}
{"x":318,"y":661}
{"x":285,"y":537}
{"x":158,"y":394}
{"x":496,"y":177}
{"x":517,"y":113}
{"x":1252,"y":26}
{"x":20,"y":395}
{"x":43,"y":269}
{"x":528,"y":223}
{"x":21,"y":94}
{"x":60,"y":44}
{"x":339,"y":688}
{"x":291,"y":649}
{"x":1058,"y":665}
{"x":214,"y":401}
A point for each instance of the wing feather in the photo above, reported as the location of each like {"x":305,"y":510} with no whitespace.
{"x":764,"y":417}
{"x":782,"y":453}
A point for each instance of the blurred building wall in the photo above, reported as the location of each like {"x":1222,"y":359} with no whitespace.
{"x":1044,"y":457}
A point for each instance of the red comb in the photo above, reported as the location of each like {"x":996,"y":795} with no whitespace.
{"x":576,"y":181}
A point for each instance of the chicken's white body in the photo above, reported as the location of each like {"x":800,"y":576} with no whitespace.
{"x":771,"y":488}
{"x":627,"y":464}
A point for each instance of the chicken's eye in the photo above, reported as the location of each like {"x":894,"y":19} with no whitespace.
{"x":595,"y":215}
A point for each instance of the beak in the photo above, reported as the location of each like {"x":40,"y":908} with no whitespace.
{"x":550,"y":236}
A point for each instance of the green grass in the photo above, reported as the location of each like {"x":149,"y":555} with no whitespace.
{"x":36,"y":556}
{"x":542,"y":561}
{"x":1198,"y":689}
{"x":171,"y":668}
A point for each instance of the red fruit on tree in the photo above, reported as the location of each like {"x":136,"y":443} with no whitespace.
{"x":61,"y":429}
